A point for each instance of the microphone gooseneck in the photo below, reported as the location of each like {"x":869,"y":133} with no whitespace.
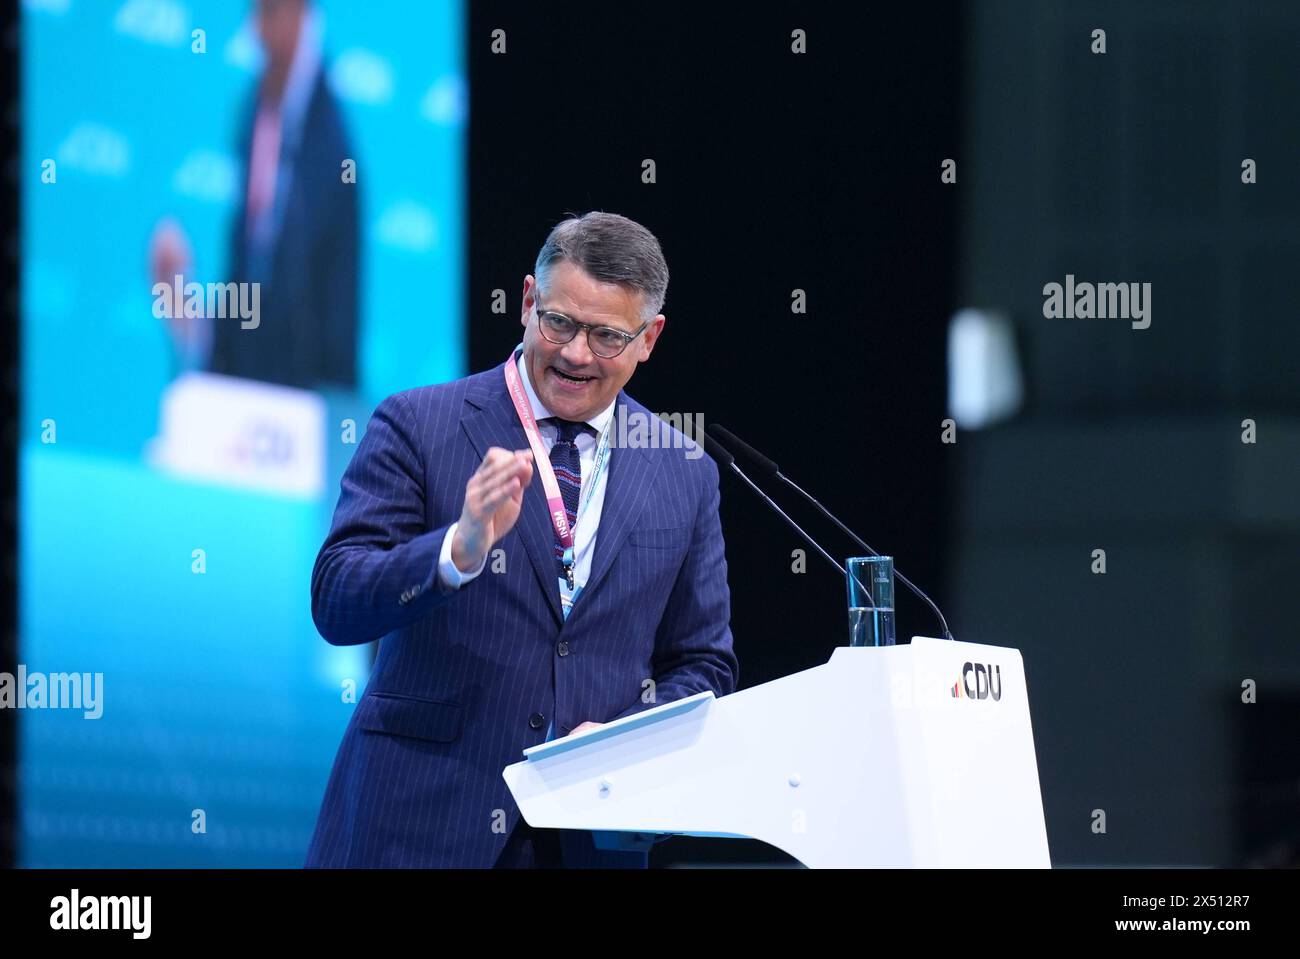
{"x":768,"y":467}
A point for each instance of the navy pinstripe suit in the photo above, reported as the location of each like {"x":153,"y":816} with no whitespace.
{"x":463,"y":676}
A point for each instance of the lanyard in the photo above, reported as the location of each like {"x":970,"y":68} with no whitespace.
{"x":542,"y":460}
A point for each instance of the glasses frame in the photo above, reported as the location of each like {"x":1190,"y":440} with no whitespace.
{"x":587,"y":327}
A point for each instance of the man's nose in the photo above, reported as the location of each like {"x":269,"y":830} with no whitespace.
{"x":577,"y":352}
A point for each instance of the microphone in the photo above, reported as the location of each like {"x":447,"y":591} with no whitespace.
{"x":724,"y":458}
{"x":767,"y":467}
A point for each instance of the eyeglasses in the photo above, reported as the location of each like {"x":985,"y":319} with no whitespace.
{"x":604,"y":341}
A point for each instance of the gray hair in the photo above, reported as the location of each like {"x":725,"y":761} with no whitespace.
{"x":612,"y":249}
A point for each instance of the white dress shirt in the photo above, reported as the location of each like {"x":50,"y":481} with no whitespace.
{"x":584,"y":533}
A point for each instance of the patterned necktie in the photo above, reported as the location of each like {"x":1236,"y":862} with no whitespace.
{"x":568,"y":474}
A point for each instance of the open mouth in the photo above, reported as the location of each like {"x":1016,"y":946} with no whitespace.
{"x":571,"y":377}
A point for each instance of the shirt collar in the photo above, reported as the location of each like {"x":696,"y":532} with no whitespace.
{"x":540,"y":412}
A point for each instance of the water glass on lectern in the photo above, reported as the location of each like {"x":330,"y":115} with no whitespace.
{"x":871,"y":600}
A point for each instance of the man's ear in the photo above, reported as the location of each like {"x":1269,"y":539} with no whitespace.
{"x":526,"y":301}
{"x":650,"y":337}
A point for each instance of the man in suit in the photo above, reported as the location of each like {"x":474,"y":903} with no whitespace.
{"x":295,"y":231}
{"x":499,"y":632}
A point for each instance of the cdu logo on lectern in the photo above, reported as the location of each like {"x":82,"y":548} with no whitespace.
{"x":988,"y":682}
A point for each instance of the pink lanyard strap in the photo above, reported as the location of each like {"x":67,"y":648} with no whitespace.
{"x":542,"y":460}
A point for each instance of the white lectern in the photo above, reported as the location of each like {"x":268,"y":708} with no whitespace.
{"x":895,"y":756}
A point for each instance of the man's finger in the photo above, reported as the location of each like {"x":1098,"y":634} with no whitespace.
{"x":499,"y":466}
{"x":493,"y":499}
{"x":518,"y":496}
{"x":493,"y":467}
{"x":505,"y":483}
{"x":511,"y":468}
{"x":496,"y":456}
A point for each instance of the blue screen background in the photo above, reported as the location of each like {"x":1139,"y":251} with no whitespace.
{"x":222,"y":705}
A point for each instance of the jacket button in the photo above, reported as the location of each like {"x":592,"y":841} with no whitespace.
{"x":563,"y":648}
{"x":536,"y":720}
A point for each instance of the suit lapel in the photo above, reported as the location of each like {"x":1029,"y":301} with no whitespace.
{"x":494,"y":422}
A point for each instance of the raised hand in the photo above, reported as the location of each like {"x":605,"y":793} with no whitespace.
{"x":493,"y":497}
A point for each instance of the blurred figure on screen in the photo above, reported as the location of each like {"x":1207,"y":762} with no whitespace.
{"x":295,"y":230}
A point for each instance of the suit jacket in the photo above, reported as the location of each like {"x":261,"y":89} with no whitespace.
{"x":466,"y":679}
{"x":307,"y":336}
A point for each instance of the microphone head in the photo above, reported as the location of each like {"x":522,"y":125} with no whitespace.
{"x":764,"y":465}
{"x":714,"y":449}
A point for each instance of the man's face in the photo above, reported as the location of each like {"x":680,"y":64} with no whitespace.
{"x":570,"y":380}
{"x":278,"y":23}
